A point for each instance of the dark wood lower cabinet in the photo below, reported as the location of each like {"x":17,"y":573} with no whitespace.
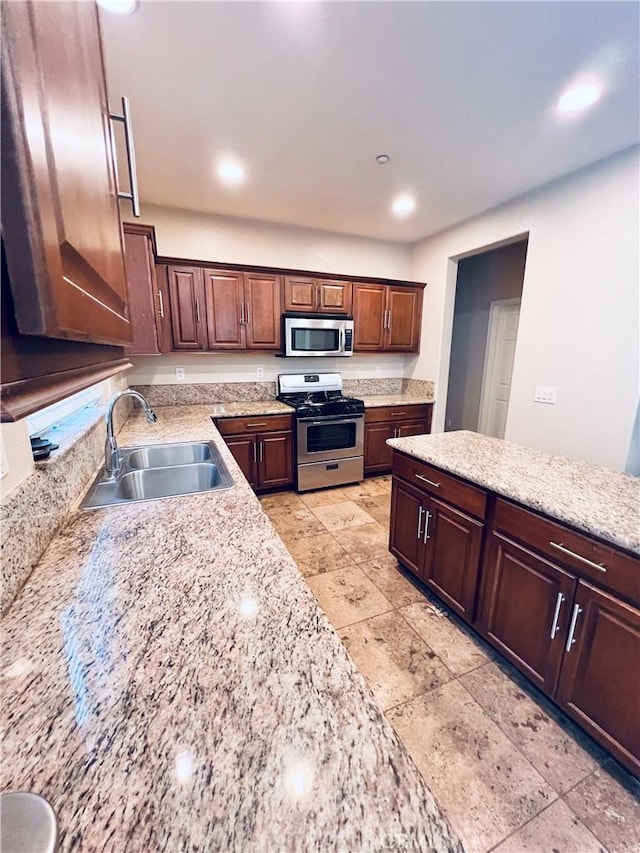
{"x":600,"y":678}
{"x":525,"y":609}
{"x":377,"y":453}
{"x":383,"y":422}
{"x":529,"y":592}
{"x":452,"y":559}
{"x":264,"y":455}
{"x":275,"y":459}
{"x":243,"y":449}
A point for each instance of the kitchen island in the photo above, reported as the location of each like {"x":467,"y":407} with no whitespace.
{"x":170,"y":683}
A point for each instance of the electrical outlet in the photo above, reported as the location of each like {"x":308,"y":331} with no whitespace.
{"x":545,"y":394}
{"x":180,"y":374}
{"x":260,"y":372}
{"x":378,"y":372}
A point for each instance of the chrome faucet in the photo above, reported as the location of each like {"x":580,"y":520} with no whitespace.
{"x":112,"y":457}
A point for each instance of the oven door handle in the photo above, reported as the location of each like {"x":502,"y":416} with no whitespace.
{"x":330,"y":419}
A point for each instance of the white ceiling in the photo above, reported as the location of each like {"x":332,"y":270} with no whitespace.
{"x":461,"y":95}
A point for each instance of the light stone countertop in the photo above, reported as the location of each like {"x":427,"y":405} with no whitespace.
{"x":249,"y":409}
{"x":169,"y":682}
{"x":374,"y":401}
{"x":596,"y":500}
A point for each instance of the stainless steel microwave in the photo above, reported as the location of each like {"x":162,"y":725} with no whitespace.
{"x":317,"y":335}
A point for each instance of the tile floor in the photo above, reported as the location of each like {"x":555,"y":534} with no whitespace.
{"x":511,"y":772}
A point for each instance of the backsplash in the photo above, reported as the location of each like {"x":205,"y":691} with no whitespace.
{"x":35,"y":510}
{"x":188,"y":394}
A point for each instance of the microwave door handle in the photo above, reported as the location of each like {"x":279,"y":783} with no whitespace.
{"x":341,"y":339}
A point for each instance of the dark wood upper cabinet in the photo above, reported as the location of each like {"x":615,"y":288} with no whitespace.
{"x":369,"y":305}
{"x":312,"y":295}
{"x":386,"y":318}
{"x":263,"y":301}
{"x":186,"y":296}
{"x":61,"y":222}
{"x":148,"y":307}
{"x":224,"y":296}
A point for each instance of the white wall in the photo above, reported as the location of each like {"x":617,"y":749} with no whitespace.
{"x":224,"y":239}
{"x":242,"y":367}
{"x":579,"y":322}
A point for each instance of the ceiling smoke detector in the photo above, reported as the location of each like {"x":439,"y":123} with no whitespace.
{"x":382,"y":159}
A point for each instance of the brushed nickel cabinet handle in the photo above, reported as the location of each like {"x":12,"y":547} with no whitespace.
{"x":599,"y":566}
{"x":255,"y":425}
{"x":420,"y":511}
{"x":431,"y":483}
{"x":160,"y":304}
{"x":577,"y":610}
{"x":556,"y":615}
{"x":426,"y":526}
{"x":197,"y":313}
{"x":247,"y":315}
{"x":398,"y":414}
{"x":125,"y":118}
{"x":389,"y":320}
{"x":242,"y":313}
{"x":261,"y":451}
{"x":255,"y":452}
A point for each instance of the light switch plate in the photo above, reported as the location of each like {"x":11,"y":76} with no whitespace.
{"x":180,"y":374}
{"x":545,"y":394}
{"x":260,"y":372}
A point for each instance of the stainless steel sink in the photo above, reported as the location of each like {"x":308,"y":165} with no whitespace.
{"x":162,"y":455}
{"x":161,"y":471}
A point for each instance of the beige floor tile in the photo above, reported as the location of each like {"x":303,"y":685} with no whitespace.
{"x":378,"y":508}
{"x":280,"y":501}
{"x":317,"y":554}
{"x":485,"y":785}
{"x":551,"y":746}
{"x":397,"y":664}
{"x":608,"y":802}
{"x":341,"y":515}
{"x":323,"y":497}
{"x":365,"y":489}
{"x":347,"y":595}
{"x":554,"y":829}
{"x":365,"y":543}
{"x":456,"y":648}
{"x":391,"y":582}
{"x":296,"y":523}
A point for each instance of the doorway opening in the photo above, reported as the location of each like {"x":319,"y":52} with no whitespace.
{"x":483,"y":342}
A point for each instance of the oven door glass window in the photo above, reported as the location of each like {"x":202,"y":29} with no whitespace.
{"x":315,"y":340}
{"x":331,"y":436}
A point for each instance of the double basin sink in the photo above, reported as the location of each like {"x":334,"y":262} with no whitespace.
{"x":161,"y":471}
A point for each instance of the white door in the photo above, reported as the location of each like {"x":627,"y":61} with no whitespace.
{"x":498,"y":366}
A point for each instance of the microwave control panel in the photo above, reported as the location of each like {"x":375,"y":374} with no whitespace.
{"x":348,"y":340}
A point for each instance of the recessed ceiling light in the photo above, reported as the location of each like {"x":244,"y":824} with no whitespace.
{"x":120,"y":7}
{"x":403,"y":205}
{"x":579,"y":97}
{"x":382,"y":159}
{"x":231,"y":172}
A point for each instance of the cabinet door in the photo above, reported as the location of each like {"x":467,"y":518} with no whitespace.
{"x":526,"y":600}
{"x":263,"y":310}
{"x":406,"y":537}
{"x":377,"y":453}
{"x":144,"y":300}
{"x":244,"y":450}
{"x":187,"y":310}
{"x":369,"y":305}
{"x":600,"y":678}
{"x":452,"y":559}
{"x":61,"y":222}
{"x":405,"y":428}
{"x":404,"y":305}
{"x":334,"y":297}
{"x":300,"y":294}
{"x":275,"y":459}
{"x":224,"y":309}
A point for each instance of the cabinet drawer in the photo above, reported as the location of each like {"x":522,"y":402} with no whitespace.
{"x":237,"y":426}
{"x":441,"y":485}
{"x":584,"y":555}
{"x":397,"y":413}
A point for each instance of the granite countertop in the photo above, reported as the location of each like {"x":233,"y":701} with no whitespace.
{"x":249,"y":409}
{"x":599,"y":501}
{"x":170,"y":683}
{"x":373,"y":401}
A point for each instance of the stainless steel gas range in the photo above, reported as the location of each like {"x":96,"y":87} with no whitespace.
{"x":329,"y":429}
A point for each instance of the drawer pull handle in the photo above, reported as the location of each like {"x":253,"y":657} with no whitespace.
{"x":420,"y":511}
{"x":599,"y":566}
{"x":398,"y":414}
{"x":556,"y":615}
{"x":577,"y":610}
{"x":253,"y":426}
{"x":431,"y":483}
